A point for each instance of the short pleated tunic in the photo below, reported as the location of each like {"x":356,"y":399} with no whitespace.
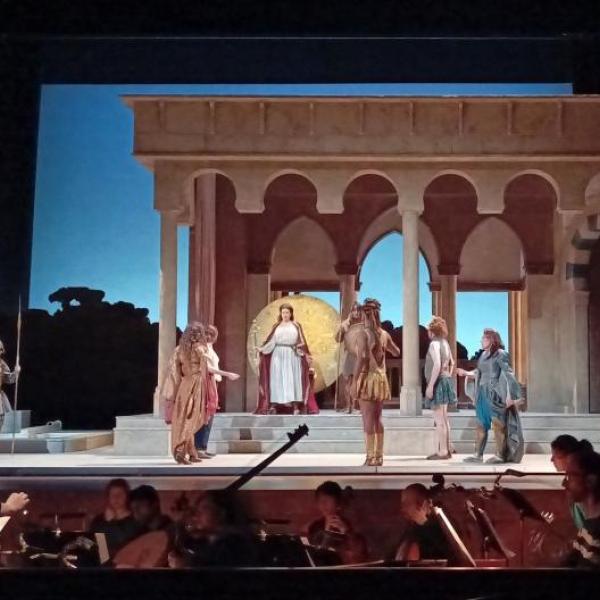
{"x":443,"y":389}
{"x":373,"y":386}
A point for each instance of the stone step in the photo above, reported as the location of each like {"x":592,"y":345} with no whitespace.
{"x":335,"y":432}
{"x":55,"y":442}
{"x":537,"y":434}
{"x":350,"y":447}
{"x":566,"y":423}
{"x":16,"y":420}
{"x":315,"y":433}
{"x":339,"y":421}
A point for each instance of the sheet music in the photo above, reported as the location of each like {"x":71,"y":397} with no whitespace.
{"x":457,"y":543}
{"x":102,"y":547}
{"x":3,"y":522}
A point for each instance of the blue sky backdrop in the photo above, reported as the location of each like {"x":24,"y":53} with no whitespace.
{"x":94,"y":224}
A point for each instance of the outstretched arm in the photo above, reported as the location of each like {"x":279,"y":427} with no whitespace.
{"x":228,"y":374}
{"x":390,"y":346}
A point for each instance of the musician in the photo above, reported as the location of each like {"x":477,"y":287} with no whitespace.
{"x":333,"y":530}
{"x":561,"y":448}
{"x":212,"y":538}
{"x":146,"y":511}
{"x":9,"y":377}
{"x":424,"y":539}
{"x":116,"y":521}
{"x":16,"y":502}
{"x":582,"y":482}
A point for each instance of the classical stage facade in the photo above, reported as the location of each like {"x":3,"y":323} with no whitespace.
{"x":289,"y":194}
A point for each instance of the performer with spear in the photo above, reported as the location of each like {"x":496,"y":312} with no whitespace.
{"x":8,"y":376}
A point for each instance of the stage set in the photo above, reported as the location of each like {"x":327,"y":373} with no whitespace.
{"x":286,"y":196}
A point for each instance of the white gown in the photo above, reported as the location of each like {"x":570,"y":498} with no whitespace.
{"x":285,"y":374}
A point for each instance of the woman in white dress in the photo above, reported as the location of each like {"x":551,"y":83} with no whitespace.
{"x":284,"y":367}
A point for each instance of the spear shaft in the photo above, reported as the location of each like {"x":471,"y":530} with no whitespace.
{"x":17,"y":369}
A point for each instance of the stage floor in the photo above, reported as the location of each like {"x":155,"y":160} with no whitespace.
{"x":291,"y":471}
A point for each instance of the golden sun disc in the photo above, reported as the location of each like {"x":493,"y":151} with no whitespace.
{"x":320,"y":323}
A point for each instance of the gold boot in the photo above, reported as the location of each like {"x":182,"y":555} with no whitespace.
{"x":378,"y":461}
{"x":370,"y":442}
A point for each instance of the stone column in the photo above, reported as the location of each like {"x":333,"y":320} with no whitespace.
{"x":202,"y":283}
{"x":259,"y":288}
{"x":581,"y":395}
{"x":448,"y":307}
{"x":167,"y":325}
{"x":518,"y":333}
{"x":410,"y":394}
{"x":347,"y":293}
{"x":549,"y":344}
{"x":436,"y":302}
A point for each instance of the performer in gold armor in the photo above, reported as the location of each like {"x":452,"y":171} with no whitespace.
{"x":371,"y":386}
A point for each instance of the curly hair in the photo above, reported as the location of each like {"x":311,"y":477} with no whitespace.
{"x":438,"y":327}
{"x":371,"y":308}
{"x":194,"y":333}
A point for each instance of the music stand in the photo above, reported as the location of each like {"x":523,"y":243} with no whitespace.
{"x":526,"y":510}
{"x":489,"y":536}
{"x":461,"y":557}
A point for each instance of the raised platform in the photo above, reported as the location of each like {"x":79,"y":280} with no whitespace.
{"x":292,"y":471}
{"x":51,"y":439}
{"x":333,"y":433}
{"x":16,"y":420}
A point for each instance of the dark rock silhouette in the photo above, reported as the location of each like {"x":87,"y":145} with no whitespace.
{"x":82,"y":295}
{"x":87,"y":363}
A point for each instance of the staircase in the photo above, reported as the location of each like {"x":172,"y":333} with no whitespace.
{"x":340,"y":433}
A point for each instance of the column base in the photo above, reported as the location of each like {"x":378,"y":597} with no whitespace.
{"x":410,"y":401}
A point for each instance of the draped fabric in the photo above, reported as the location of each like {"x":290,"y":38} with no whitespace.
{"x":515,"y":442}
{"x":301,"y":350}
{"x":494,"y":383}
{"x":185,"y":394}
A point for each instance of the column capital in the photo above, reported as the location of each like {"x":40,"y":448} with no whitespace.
{"x":449,"y":269}
{"x":539,"y":268}
{"x":259,"y":268}
{"x":342,"y":268}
